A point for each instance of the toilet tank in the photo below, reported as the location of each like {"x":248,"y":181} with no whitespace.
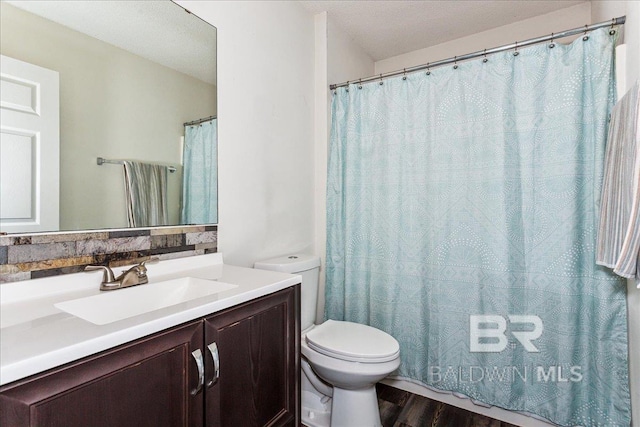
{"x":308,"y":266}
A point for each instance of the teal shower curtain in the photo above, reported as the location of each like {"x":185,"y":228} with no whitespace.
{"x":200,"y":174}
{"x":462,"y":206}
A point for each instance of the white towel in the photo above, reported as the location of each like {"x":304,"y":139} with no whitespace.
{"x":619,"y":231}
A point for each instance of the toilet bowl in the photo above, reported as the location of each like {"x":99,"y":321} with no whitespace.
{"x":341,"y":361}
{"x":352,"y":358}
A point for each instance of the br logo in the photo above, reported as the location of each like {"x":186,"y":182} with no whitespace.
{"x":488,"y":333}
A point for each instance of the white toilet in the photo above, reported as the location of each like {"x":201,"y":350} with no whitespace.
{"x":341,"y":361}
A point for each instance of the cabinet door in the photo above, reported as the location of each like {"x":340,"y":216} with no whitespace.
{"x":258,"y":352}
{"x":144,"y":383}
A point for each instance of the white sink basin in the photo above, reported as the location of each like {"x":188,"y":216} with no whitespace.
{"x":121,"y":304}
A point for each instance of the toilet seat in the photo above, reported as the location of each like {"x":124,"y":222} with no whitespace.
{"x":352,"y":342}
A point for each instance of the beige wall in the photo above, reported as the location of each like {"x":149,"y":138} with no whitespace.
{"x":346,"y":60}
{"x":559,"y":20}
{"x":265,"y":127}
{"x":106,"y":110}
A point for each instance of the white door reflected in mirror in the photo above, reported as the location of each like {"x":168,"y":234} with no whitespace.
{"x":29,"y":147}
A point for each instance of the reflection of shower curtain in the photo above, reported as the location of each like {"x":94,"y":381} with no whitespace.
{"x":146,"y":192}
{"x":199,"y":181}
{"x":461,"y":215}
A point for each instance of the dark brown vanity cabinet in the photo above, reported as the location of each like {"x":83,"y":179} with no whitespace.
{"x":143,"y":383}
{"x":258,"y":381}
{"x":248,"y":376}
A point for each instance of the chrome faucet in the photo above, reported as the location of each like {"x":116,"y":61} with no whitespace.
{"x":136,"y":275}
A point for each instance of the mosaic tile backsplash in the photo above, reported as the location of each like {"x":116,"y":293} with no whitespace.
{"x":42,"y":255}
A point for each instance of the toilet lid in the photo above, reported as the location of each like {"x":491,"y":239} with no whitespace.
{"x":353,"y":342}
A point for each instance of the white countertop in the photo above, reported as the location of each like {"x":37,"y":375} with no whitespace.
{"x":36,"y":336}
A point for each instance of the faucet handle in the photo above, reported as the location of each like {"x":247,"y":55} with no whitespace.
{"x":141,"y":268}
{"x":107,"y":277}
{"x":151,"y":260}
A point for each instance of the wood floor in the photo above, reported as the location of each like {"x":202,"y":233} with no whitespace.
{"x":399,"y":408}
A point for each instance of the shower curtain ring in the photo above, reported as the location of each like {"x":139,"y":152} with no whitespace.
{"x":485,"y":56}
{"x":381,"y":83}
{"x":455,"y":63}
{"x":428,"y":69}
{"x":515,"y":51}
{"x":404,"y":77}
{"x":586,"y":37}
{"x":552,"y":44}
{"x":347,"y":87}
{"x":612,"y":31}
{"x":360,"y":84}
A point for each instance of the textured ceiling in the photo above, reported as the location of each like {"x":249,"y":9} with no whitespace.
{"x":156,"y":30}
{"x":388,"y":28}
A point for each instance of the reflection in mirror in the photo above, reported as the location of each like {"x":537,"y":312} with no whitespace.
{"x":199,"y":189}
{"x":131,"y":82}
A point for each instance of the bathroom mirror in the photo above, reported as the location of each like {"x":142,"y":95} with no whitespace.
{"x":130,"y":75}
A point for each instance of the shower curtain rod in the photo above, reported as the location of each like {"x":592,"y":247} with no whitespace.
{"x":553,"y":36}
{"x":101,"y":160}
{"x":197,"y":122}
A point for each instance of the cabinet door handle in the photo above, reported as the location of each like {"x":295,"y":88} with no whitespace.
{"x":213,"y":350}
{"x":197,"y":356}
